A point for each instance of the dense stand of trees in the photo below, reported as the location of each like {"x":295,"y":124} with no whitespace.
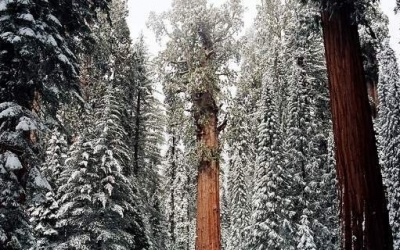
{"x":261,"y":141}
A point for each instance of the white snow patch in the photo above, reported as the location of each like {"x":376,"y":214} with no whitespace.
{"x":10,"y":109}
{"x":5,"y":35}
{"x":16,"y":39}
{"x":9,"y":112}
{"x":54,"y":89}
{"x":73,"y":176}
{"x":85,"y":155}
{"x":26,"y":32}
{"x":64,"y":208}
{"x":26,"y":124}
{"x":5,"y":17}
{"x":63,"y":58}
{"x":12,"y":161}
{"x":39,"y":180}
{"x":26,"y":17}
{"x":3,"y":5}
{"x":50,"y":231}
{"x":54,"y":19}
{"x":2,"y":169}
{"x":102,"y":198}
{"x":51,"y":41}
{"x":109,"y":188}
{"x":3,"y":236}
{"x":118,"y":209}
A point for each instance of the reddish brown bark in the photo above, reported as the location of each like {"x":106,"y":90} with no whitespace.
{"x":208,"y":210}
{"x":364,"y":216}
{"x":208,"y":220}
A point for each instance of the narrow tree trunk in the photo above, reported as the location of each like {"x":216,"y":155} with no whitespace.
{"x":173,"y":176}
{"x":364,"y":216}
{"x":137,"y":131}
{"x":208,"y":211}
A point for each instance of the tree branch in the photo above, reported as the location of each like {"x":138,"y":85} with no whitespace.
{"x":222,"y":126}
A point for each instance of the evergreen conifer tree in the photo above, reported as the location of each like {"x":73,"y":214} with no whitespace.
{"x":37,"y":65}
{"x":389,"y":94}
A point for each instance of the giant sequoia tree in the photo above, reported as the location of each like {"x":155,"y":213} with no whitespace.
{"x":364,"y":216}
{"x":200,"y":46}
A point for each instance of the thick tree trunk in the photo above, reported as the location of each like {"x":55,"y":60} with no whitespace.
{"x":208,"y":207}
{"x":364,"y":216}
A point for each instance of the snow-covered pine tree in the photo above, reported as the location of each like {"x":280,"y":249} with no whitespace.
{"x":147,"y":137}
{"x":56,"y":154}
{"x":177,"y":200}
{"x":308,"y":128}
{"x":182,"y":200}
{"x":169,"y":195}
{"x":242,"y":135}
{"x":37,"y":65}
{"x":157,"y":219}
{"x":225,"y":210}
{"x":305,"y":234}
{"x":190,"y":161}
{"x":43,"y":212}
{"x":96,"y":196}
{"x":389,"y":136}
{"x":269,"y":201}
{"x":297,"y":165}
{"x":239,"y":206}
{"x":115,"y":203}
{"x":178,"y":187}
{"x":148,"y":116}
{"x":246,"y":112}
{"x":247,"y":100}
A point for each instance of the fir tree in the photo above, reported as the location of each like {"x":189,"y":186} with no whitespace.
{"x":389,"y":137}
{"x":43,"y":212}
{"x":178,"y":187}
{"x":95,"y":189}
{"x":37,"y":66}
{"x":239,"y":209}
{"x":148,"y":125}
{"x":269,"y":201}
{"x":308,"y":130}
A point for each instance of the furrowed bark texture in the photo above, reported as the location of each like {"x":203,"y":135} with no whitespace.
{"x":208,"y":211}
{"x":364,"y":216}
{"x":208,"y":220}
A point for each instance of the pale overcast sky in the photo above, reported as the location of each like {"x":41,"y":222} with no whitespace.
{"x":139,"y":11}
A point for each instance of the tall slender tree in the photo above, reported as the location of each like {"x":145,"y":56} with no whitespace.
{"x":239,"y":205}
{"x":147,"y":123}
{"x":308,"y":129}
{"x":389,"y":137}
{"x":94,"y":188}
